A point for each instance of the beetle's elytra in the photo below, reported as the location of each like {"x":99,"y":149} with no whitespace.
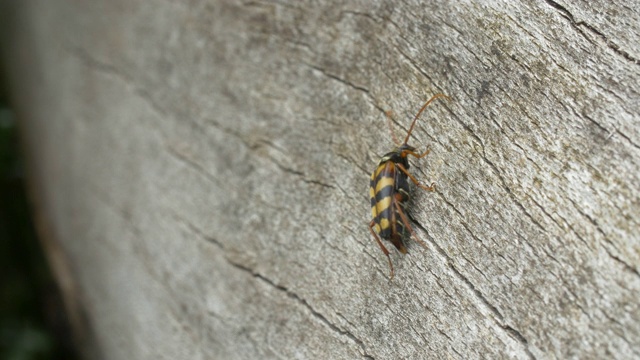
{"x":389,"y":192}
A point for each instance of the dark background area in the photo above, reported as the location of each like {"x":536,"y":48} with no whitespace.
{"x":33,"y":324}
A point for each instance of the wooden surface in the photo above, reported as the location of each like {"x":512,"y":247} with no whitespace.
{"x":203,"y":169}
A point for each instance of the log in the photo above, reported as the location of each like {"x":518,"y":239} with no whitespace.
{"x":200,"y":172}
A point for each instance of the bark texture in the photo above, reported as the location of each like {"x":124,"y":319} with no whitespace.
{"x":201,"y":168}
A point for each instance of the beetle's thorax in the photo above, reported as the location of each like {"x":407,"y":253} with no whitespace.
{"x":397,"y":156}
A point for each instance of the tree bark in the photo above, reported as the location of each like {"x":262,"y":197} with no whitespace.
{"x":200,"y":171}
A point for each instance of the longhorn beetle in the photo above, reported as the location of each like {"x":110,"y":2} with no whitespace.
{"x":389,"y":192}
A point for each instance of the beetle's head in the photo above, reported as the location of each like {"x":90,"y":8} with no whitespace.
{"x":402,"y":149}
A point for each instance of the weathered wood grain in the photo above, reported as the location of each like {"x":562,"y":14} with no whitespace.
{"x":205,"y":164}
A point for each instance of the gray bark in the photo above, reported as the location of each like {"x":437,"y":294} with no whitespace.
{"x":200,"y":171}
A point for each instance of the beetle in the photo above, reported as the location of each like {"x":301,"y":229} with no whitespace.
{"x":389,"y":192}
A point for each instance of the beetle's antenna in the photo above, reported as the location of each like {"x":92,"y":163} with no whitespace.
{"x":420,"y":112}
{"x":389,"y":114}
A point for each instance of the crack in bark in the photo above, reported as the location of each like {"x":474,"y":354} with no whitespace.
{"x":337,"y":78}
{"x":299,"y":174}
{"x":498,"y":317}
{"x":549,"y":255}
{"x":292,"y":171}
{"x":544,"y":211}
{"x":352,"y":85}
{"x":511,"y":195}
{"x":412,"y":62}
{"x":634,"y":144}
{"x":353,"y":162}
{"x":578,"y":24}
{"x":501,"y":322}
{"x":198,"y":232}
{"x":623,"y":263}
{"x":606,"y":239}
{"x":593,"y":121}
{"x":268,"y":281}
{"x":463,"y":223}
{"x":193,"y":164}
{"x":91,"y":62}
{"x":497,"y":172}
{"x":199,"y":168}
{"x":358,"y":13}
{"x":267,"y":3}
{"x":620,"y":334}
{"x":305,"y":304}
{"x":451,"y":341}
{"x":626,"y":266}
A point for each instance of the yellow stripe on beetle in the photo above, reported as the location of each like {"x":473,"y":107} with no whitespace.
{"x":383,"y":204}
{"x":384,"y":224}
{"x":378,"y":171}
{"x":383,"y":182}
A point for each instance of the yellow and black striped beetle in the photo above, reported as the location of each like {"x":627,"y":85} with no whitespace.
{"x":389,"y":192}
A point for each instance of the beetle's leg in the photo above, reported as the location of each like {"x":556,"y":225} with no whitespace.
{"x":405,"y":221}
{"x":414,"y":154}
{"x":415,"y":181}
{"x":384,"y":249}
